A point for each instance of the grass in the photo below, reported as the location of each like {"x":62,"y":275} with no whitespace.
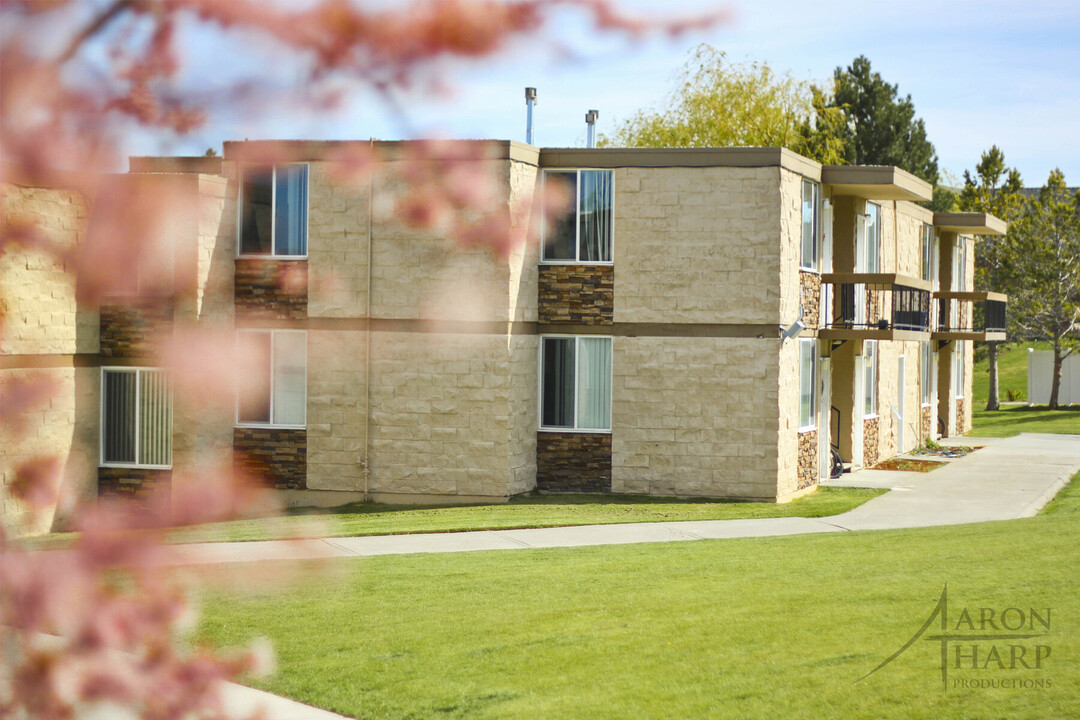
{"x":1015,"y":419}
{"x":750,"y":628}
{"x":1012,"y":372}
{"x":531,"y":511}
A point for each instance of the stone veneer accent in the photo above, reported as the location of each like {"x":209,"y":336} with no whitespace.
{"x":133,"y":328}
{"x":959,"y":416}
{"x":927,"y":423}
{"x":810,"y":298}
{"x":874,"y":316}
{"x":808,"y":459}
{"x":870,"y":442}
{"x":278,"y":456}
{"x":131,"y":482}
{"x":271,"y":288}
{"x":577,"y":294}
{"x":573,"y":462}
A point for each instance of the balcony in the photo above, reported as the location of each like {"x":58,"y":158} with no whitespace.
{"x":875,"y":306}
{"x":970,"y":316}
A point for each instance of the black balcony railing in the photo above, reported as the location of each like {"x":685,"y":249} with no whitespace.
{"x":971,"y":312}
{"x":879,"y":304}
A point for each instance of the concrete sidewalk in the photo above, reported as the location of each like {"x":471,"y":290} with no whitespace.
{"x":1006,"y":479}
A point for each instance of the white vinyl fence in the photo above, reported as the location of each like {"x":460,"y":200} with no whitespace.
{"x":1040,"y":372}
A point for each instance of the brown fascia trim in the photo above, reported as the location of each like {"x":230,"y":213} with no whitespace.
{"x":387,"y":150}
{"x":70,"y":360}
{"x":876,"y":182}
{"x":744,"y":157}
{"x":153,"y":164}
{"x":970,"y":223}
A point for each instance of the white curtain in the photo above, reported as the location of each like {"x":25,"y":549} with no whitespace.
{"x":290,"y":378}
{"x":594,"y":383}
{"x":291,"y":210}
{"x":155,"y":418}
{"x":595,"y":218}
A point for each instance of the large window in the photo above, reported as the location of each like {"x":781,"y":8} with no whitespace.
{"x":808,"y":372}
{"x":958,"y":369}
{"x":926,"y":373}
{"x":959,"y":265}
{"x":928,"y":264}
{"x":811,"y":227}
{"x":868,"y":239}
{"x":575,"y":383}
{"x":273,"y":387}
{"x":870,"y":377}
{"x":584,"y":234}
{"x":136,"y":418}
{"x":273,"y":210}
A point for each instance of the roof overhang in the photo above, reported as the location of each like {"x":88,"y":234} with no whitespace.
{"x":970,"y":223}
{"x":875,"y":182}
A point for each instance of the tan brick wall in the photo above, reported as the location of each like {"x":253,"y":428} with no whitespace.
{"x":698,"y":245}
{"x":524,"y":412}
{"x":338,"y":223}
{"x":37,"y":293}
{"x":63,"y":426}
{"x":696,"y":417}
{"x":336,"y":408}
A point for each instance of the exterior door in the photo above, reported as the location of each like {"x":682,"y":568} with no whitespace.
{"x":824,"y":417}
{"x":900,"y":405}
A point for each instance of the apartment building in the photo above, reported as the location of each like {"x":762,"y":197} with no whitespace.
{"x":704,"y":322}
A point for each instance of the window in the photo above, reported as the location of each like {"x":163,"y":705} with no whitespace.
{"x":959,"y":265}
{"x":273,"y":211}
{"x":136,"y":418}
{"x":575,"y":383}
{"x":273,"y":390}
{"x":808,"y":372}
{"x":958,"y":369}
{"x":870,"y":377}
{"x":584,"y":235}
{"x":926,"y":373}
{"x":868,"y":239}
{"x":811,"y":229}
{"x":927,"y":262}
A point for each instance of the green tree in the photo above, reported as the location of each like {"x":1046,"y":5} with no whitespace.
{"x":882,"y":128}
{"x":996,"y":189}
{"x":1047,"y":300}
{"x":718,"y":103}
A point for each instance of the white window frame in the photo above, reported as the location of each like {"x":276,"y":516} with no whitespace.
{"x":270,"y":383}
{"x":137,"y":371}
{"x":809,"y":345}
{"x":815,"y":229}
{"x":870,"y":347}
{"x":958,"y":370}
{"x":577,"y":219}
{"x":926,"y":374}
{"x":272,"y":255}
{"x":577,"y":385}
{"x":927,"y":249}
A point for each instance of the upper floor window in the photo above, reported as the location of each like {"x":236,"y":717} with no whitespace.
{"x":575,"y":383}
{"x":274,"y":389}
{"x":868,"y":239}
{"x":928,"y":262}
{"x":136,"y":418}
{"x":811,"y":225}
{"x":959,"y":265}
{"x":808,"y":372}
{"x":273,"y":210}
{"x":584,"y":234}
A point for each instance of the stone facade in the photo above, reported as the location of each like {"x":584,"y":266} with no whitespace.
{"x":134,"y":328}
{"x":810,"y":297}
{"x":809,"y":469}
{"x":870,"y":441}
{"x":277,"y":456}
{"x":960,"y":417}
{"x":132,"y":483}
{"x":926,"y":424}
{"x":576,"y":294}
{"x":573,"y":462}
{"x":271,"y":288}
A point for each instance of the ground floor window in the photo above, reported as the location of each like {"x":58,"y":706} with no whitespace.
{"x":808,"y":372}
{"x":136,"y":417}
{"x":870,"y":377}
{"x":575,"y":383}
{"x":958,"y":369}
{"x":925,"y":372}
{"x":273,"y":388}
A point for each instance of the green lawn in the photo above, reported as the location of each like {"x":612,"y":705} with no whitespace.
{"x":1015,"y":419}
{"x":753,"y":628}
{"x":1012,"y":372}
{"x":523,"y":512}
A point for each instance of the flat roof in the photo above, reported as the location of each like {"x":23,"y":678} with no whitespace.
{"x":618,"y":157}
{"x":970,"y":223}
{"x":876,"y":182}
{"x":316,"y":150}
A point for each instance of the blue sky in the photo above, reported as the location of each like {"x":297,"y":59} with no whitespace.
{"x":980,"y":72}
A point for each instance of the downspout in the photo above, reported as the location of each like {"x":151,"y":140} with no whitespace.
{"x":367,"y":339}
